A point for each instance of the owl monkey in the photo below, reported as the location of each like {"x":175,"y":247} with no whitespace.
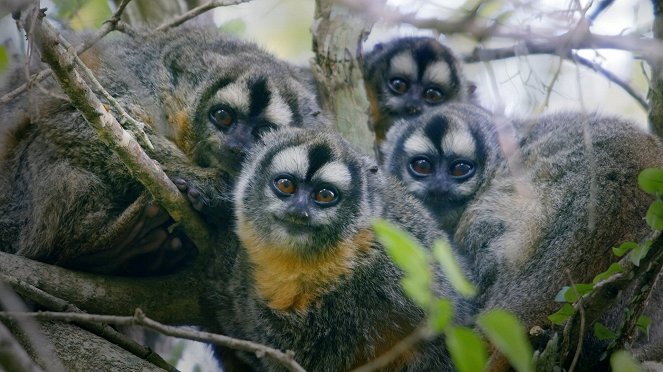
{"x":309,"y":275}
{"x":409,"y":76}
{"x":206,"y":97}
{"x":525,"y":217}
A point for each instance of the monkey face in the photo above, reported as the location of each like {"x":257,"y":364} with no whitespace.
{"x":222,"y":95}
{"x":410,"y":76}
{"x":441,"y":158}
{"x":304,"y":191}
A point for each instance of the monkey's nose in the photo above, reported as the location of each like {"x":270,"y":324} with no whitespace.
{"x":412,"y":110}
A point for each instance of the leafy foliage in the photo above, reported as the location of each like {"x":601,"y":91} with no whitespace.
{"x":622,"y":361}
{"x":509,"y":336}
{"x":466,"y":348}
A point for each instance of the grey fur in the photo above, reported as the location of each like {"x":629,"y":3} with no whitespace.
{"x":520,"y":209}
{"x":351,"y":315}
{"x":64,"y":196}
{"x":545,"y":202}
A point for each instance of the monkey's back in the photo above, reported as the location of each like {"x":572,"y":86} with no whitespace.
{"x":568,"y":197}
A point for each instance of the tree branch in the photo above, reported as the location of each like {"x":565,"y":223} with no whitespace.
{"x":139,"y":318}
{"x":112,"y":24}
{"x":117,"y":295}
{"x":198,"y":11}
{"x":53,"y":303}
{"x":12,"y":356}
{"x":145,"y":170}
{"x":337,"y":36}
{"x":655,"y":94}
{"x":611,"y":77}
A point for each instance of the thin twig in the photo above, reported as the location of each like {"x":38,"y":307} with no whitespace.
{"x":119,"y":140}
{"x":43,"y":352}
{"x":605,"y":292}
{"x":12,"y":355}
{"x":112,"y":24}
{"x":198,"y":11}
{"x":398,"y":349}
{"x":612,"y":77}
{"x":132,"y":124}
{"x":102,"y":330}
{"x":139,"y":318}
{"x":581,"y":336}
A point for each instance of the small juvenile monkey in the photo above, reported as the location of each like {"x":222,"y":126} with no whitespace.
{"x":408,"y":77}
{"x":206,"y":98}
{"x":558,"y":198}
{"x":309,"y":275}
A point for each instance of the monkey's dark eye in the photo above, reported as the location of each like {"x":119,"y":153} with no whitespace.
{"x":421,"y":167}
{"x":284,"y":185}
{"x":326,"y":196}
{"x":433,"y":95}
{"x":461,"y":169}
{"x":221,"y":116}
{"x":398,"y":85}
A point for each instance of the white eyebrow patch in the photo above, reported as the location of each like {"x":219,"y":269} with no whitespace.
{"x":335,"y":173}
{"x":278,"y":112}
{"x":235,"y":95}
{"x":438,"y":73}
{"x":418,"y":143}
{"x":403,"y":64}
{"x":293,"y":160}
{"x":459,"y":142}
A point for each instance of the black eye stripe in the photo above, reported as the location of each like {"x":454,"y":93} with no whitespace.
{"x":435,"y":130}
{"x":259,"y":97}
{"x":318,"y":156}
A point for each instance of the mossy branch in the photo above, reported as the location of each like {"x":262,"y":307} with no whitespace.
{"x":65,"y":65}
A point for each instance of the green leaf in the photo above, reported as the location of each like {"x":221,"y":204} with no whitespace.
{"x":603,"y":333}
{"x":442,"y":252}
{"x":643,"y":323}
{"x":568,"y":294}
{"x":441,"y":314}
{"x":466,"y":349}
{"x":410,"y":257}
{"x":624,"y":248}
{"x":651,"y":180}
{"x":509,"y":337}
{"x":4,"y":58}
{"x":654,"y":216}
{"x":562,"y":315}
{"x":640,"y":252}
{"x":622,"y":361}
{"x":613,"y":269}
{"x":418,"y":290}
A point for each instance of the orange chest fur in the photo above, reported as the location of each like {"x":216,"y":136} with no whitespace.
{"x":289,"y":282}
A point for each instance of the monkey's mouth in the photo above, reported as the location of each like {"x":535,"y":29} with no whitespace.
{"x":295,"y":226}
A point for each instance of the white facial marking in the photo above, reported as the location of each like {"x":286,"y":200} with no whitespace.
{"x":278,"y":112}
{"x":403,"y":64}
{"x":235,"y":95}
{"x":459,"y":142}
{"x":438,"y":73}
{"x":335,"y":173}
{"x":418,"y":143}
{"x":293,"y":160}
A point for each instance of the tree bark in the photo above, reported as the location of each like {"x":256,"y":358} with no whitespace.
{"x":655,"y":94}
{"x":338,"y":33}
